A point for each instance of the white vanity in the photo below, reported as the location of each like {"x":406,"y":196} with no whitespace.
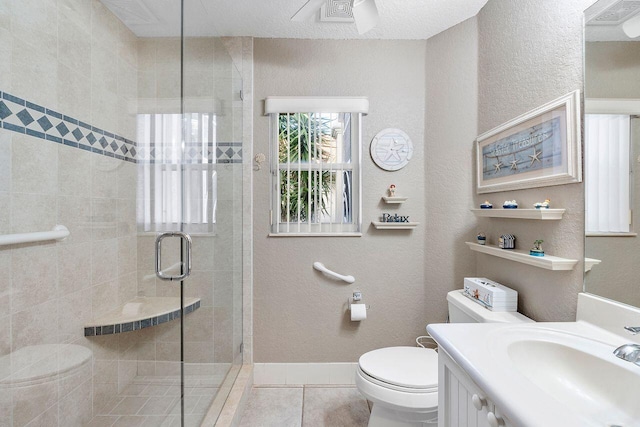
{"x":540,"y":374}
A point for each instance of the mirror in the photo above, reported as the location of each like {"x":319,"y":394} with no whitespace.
{"x":612,"y":150}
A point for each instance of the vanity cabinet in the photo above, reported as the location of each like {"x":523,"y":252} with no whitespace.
{"x":461,"y":403}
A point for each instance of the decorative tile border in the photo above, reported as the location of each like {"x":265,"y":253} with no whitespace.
{"x":18,"y":115}
{"x":221,"y":152}
{"x":21,"y":116}
{"x":139,"y":324}
{"x":229,"y":152}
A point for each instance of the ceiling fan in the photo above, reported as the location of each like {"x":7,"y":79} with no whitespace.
{"x":365,"y":13}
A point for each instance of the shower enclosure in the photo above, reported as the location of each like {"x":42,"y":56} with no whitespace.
{"x":122,"y":127}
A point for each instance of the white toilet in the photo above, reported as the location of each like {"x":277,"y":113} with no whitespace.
{"x":402,"y":382}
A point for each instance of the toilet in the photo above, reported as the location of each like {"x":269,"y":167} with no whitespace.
{"x":402,"y":382}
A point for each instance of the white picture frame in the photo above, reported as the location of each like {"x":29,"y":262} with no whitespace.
{"x":539,"y":148}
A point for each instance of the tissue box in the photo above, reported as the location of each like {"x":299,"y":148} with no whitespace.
{"x":490,"y":294}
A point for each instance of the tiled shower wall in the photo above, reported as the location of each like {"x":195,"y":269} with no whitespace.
{"x":71,"y":58}
{"x":211,"y":85}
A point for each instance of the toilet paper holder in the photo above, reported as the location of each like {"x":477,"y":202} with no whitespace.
{"x":355,"y":300}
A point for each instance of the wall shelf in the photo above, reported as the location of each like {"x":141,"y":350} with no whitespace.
{"x":548,"y":262}
{"x":394,"y":225}
{"x":394,"y":200}
{"x":140,"y":313}
{"x":539,"y":214}
{"x":589,"y":263}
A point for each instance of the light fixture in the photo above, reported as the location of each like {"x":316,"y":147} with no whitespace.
{"x":631,"y":27}
{"x":365,"y":14}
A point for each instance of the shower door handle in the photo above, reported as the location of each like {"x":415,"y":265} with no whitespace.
{"x":186,"y":271}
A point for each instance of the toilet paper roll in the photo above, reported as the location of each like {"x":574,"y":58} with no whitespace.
{"x":358,"y":312}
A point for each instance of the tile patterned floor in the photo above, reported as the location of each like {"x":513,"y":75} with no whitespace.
{"x":154,"y":402}
{"x":306,"y":406}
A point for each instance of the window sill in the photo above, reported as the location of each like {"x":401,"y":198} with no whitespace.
{"x":611,"y":234}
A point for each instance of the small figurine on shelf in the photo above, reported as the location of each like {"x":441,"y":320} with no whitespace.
{"x":510,"y":204}
{"x":542,"y":205}
{"x":392,"y":190}
{"x":537,"y":248}
{"x":486,"y":205}
{"x":482,"y":239}
{"x":507,"y":241}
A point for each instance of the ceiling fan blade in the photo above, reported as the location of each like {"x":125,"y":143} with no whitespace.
{"x":365,"y":13}
{"x":308,"y":10}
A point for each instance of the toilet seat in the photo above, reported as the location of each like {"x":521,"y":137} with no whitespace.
{"x":408,"y":369}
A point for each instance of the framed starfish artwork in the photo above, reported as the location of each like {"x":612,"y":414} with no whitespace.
{"x":391,"y":149}
{"x":537,"y":149}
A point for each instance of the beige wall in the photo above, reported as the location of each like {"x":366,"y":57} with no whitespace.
{"x":612,"y":69}
{"x":76,"y":58}
{"x":300,"y":315}
{"x":451,"y":125}
{"x":530,"y":52}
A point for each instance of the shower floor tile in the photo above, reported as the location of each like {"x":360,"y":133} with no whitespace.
{"x":151,"y":401}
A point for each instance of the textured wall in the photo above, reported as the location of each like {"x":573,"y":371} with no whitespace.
{"x":76,"y":58}
{"x":451,"y":125}
{"x":299,"y":315}
{"x":530,"y":52}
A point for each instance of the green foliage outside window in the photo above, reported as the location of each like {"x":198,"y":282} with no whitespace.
{"x":304,"y":138}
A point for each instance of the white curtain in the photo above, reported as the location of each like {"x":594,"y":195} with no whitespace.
{"x":607,"y":148}
{"x":177,"y":181}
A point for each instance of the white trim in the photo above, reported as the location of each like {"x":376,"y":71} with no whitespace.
{"x":324,"y":104}
{"x":612,"y":106}
{"x":622,"y":234}
{"x":346,"y":234}
{"x":304,"y":373}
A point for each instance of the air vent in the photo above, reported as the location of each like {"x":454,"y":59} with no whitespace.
{"x":337,"y":11}
{"x":617,"y":13}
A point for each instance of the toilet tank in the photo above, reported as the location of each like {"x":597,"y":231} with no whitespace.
{"x":463,"y":310}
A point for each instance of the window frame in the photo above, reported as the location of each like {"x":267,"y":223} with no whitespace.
{"x":274,"y":107}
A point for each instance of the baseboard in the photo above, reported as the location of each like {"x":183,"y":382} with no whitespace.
{"x":304,"y":373}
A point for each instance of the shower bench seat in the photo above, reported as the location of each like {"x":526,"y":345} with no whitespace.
{"x":140,"y":313}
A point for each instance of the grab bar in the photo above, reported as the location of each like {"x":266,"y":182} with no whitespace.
{"x":59,"y":232}
{"x":320,"y":267}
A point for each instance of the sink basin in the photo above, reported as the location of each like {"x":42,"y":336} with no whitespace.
{"x":578,"y":372}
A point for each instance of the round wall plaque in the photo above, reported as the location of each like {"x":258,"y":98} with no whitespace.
{"x":391,"y":149}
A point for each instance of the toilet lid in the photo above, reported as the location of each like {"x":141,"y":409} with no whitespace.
{"x":410,"y":367}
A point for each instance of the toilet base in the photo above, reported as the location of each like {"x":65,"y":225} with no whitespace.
{"x":383,"y":416}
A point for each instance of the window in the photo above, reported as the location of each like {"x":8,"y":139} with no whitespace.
{"x":177,"y":181}
{"x":315,"y":170}
{"x":607,"y":179}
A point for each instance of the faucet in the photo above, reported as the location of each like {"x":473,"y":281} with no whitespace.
{"x":629,"y":353}
{"x":633,"y":330}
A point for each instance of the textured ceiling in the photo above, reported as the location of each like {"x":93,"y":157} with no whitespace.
{"x":399,"y":19}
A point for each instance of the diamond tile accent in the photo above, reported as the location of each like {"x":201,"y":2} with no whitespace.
{"x":113,"y":145}
{"x":62,"y":129}
{"x":4,"y":111}
{"x":103,"y":142}
{"x":77,"y":134}
{"x":25,"y":117}
{"x":45,"y":123}
{"x":92,"y":139}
